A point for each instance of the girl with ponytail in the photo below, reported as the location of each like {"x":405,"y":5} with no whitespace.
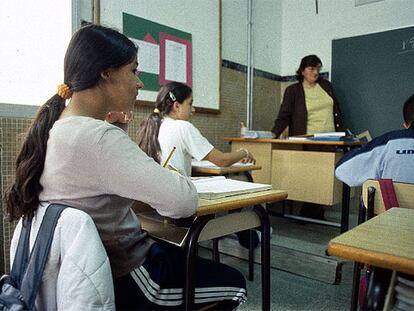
{"x":73,"y":156}
{"x":168,"y":126}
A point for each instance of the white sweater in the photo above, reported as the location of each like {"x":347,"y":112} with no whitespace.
{"x":96,"y":167}
{"x":77,"y":275}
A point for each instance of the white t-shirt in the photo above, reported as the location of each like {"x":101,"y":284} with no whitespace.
{"x":188,"y":141}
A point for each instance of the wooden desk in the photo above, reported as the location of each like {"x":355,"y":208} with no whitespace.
{"x":224,"y":170}
{"x":206,"y":227}
{"x":385,"y":241}
{"x":307,"y":175}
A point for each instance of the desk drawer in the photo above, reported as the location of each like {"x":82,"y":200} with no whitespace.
{"x":307,"y":176}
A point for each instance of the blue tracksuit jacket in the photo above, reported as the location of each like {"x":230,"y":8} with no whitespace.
{"x":390,"y":155}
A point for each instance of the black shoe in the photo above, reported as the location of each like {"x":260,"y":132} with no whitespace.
{"x":244,"y":238}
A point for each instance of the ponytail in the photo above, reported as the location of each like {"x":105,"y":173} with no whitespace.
{"x":147,"y":136}
{"x":22,"y":197}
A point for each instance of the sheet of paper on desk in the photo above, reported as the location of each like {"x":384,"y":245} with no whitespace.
{"x":300,"y":137}
{"x":208,"y":164}
{"x":330,"y":134}
{"x":219,"y":187}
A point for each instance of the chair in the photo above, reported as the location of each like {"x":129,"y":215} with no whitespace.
{"x":364,"y":136}
{"x":77,"y":275}
{"x":372,"y":204}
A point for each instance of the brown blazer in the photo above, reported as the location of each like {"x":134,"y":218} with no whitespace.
{"x":293,"y":111}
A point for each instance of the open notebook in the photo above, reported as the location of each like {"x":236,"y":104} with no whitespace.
{"x":208,"y":164}
{"x":218,"y":187}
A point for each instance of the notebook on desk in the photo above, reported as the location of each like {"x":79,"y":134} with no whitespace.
{"x":208,"y":164}
{"x":218,"y":187}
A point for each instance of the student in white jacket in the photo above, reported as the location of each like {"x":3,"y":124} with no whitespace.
{"x":72,"y":156}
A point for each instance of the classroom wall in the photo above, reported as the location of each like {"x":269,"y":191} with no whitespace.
{"x":267,"y":33}
{"x":305,"y":32}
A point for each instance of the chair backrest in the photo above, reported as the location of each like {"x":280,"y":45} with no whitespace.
{"x":364,"y":136}
{"x":404,"y":193}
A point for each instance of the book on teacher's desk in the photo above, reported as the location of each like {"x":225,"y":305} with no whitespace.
{"x":219,"y":186}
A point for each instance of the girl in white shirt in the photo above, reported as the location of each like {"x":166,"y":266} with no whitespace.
{"x":169,"y":126}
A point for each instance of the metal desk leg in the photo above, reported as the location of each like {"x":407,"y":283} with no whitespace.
{"x":346,"y":192}
{"x":355,"y":287}
{"x":251,"y":249}
{"x":265,"y":229}
{"x":357,"y":268}
{"x":190,"y":259}
{"x":251,"y":257}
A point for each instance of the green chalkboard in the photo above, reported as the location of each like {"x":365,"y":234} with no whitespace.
{"x":373,"y":75}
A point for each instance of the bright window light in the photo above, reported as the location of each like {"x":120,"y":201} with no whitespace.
{"x":34,"y":37}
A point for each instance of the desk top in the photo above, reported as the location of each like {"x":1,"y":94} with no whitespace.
{"x":225,"y":170}
{"x":296,"y":142}
{"x":385,"y":241}
{"x":206,"y":207}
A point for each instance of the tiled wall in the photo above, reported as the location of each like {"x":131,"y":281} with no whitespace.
{"x":266,"y":97}
{"x":11,"y":135}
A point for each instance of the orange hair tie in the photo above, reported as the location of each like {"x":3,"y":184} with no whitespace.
{"x":64,"y":91}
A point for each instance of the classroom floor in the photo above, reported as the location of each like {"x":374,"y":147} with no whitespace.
{"x":290,"y":291}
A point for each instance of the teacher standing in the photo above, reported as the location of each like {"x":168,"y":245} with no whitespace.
{"x":310,"y":105}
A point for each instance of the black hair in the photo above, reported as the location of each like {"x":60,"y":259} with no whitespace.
{"x":92,"y":50}
{"x":408,"y":110}
{"x":307,"y":61}
{"x":147,"y":136}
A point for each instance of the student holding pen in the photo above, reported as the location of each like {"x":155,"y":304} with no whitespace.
{"x":71,"y":156}
{"x":168,"y":126}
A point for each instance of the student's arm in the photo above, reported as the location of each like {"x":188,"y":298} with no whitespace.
{"x":200,"y":149}
{"x":228,"y":158}
{"x":128,"y":172}
{"x":362,"y":164}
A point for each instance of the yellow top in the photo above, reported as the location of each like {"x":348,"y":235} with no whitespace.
{"x":320,"y":110}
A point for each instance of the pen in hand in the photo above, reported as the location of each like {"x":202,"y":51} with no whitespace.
{"x":169,"y":157}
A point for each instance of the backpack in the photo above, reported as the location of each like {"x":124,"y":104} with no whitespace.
{"x":18,"y":290}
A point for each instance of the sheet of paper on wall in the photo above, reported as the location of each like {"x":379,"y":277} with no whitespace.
{"x":148,"y":56}
{"x":218,"y":187}
{"x":208,"y":164}
{"x":175,"y":61}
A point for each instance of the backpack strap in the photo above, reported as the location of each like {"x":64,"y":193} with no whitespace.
{"x":388,"y":193}
{"x":21,"y":257}
{"x":40,"y":253}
